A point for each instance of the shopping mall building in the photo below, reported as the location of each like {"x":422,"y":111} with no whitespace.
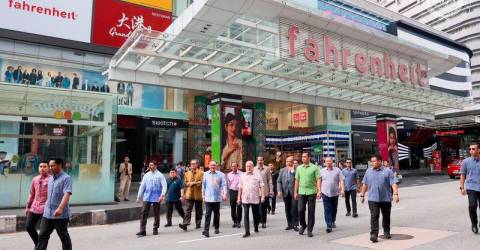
{"x":218,"y":80}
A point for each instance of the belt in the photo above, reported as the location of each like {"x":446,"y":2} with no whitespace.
{"x":233,"y":190}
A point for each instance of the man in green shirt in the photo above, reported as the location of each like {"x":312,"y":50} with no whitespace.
{"x":307,"y":188}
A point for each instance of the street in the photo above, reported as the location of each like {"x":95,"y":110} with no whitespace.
{"x":429,"y":216}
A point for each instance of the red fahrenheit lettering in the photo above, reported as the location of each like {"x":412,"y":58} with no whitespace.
{"x":412,"y":74}
{"x":292,"y":35}
{"x":422,"y":79}
{"x":390,"y":67}
{"x":403,"y":72}
{"x":360,"y":61}
{"x":311,"y":50}
{"x":376,"y":66}
{"x":328,"y":47}
{"x":345,"y":55}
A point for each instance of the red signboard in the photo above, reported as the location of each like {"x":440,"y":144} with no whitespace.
{"x":300,"y":117}
{"x":450,"y":132}
{"x":114,"y":21}
{"x":436,"y":162}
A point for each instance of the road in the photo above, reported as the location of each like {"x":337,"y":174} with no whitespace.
{"x":429,"y":216}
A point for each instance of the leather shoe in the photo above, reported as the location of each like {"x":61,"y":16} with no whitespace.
{"x":217,"y":231}
{"x":234,"y":225}
{"x":387,"y":235}
{"x":348,"y":214}
{"x":310,"y":234}
{"x":168,"y":225}
{"x":198,"y":226}
{"x":295,"y":228}
{"x":182,"y":226}
{"x":301,"y":231}
{"x":206,"y":234}
{"x":256,"y":230}
{"x":373,"y":238}
{"x":239,"y":225}
{"x":141,"y":234}
{"x":155,"y":232}
{"x":288,"y":228}
{"x":355,"y":215}
{"x":246,"y":235}
{"x":475,"y":229}
{"x":329,"y":230}
{"x":334,"y":225}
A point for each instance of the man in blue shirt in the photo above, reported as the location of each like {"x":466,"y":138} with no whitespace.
{"x":214,"y":190}
{"x":352,"y":184}
{"x":57,"y":212}
{"x":174,"y":196}
{"x":152,"y":189}
{"x":470,"y":183}
{"x":379,"y":182}
{"x":332,"y":185}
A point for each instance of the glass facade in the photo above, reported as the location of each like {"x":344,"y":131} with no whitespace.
{"x":39,"y":123}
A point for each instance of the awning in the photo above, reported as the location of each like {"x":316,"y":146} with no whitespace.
{"x":242,"y":56}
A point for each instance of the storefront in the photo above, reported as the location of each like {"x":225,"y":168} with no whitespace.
{"x":38,"y":123}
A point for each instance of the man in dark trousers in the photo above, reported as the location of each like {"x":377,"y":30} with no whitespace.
{"x":174,"y":196}
{"x":470,"y":183}
{"x":379,"y":181}
{"x":285,"y":188}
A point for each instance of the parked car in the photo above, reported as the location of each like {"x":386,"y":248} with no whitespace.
{"x":454,"y":168}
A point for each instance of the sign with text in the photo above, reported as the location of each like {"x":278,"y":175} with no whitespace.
{"x":112,"y":27}
{"x":319,"y":46}
{"x":66,"y":19}
{"x":164,"y":123}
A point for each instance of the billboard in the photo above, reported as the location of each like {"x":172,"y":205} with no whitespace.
{"x":166,"y":5}
{"x":66,"y":19}
{"x":112,"y":27}
{"x":387,"y":139}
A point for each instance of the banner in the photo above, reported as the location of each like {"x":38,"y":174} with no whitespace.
{"x":166,"y":5}
{"x":387,"y":139}
{"x":232,"y":144}
{"x":216,"y":133}
{"x":66,"y":19}
{"x":114,"y":21}
{"x":436,"y":166}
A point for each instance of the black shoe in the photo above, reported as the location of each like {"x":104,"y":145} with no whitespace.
{"x":117,"y":199}
{"x":355,"y":215}
{"x":126,"y":199}
{"x":288,"y":228}
{"x":334,"y":225}
{"x":273,"y":212}
{"x":141,"y":234}
{"x":217,"y":231}
{"x":309,"y":234}
{"x":234,"y":225}
{"x":329,"y":230}
{"x":295,"y":228}
{"x":182,"y":226}
{"x":239,"y":225}
{"x":387,"y":235}
{"x":206,"y":234}
{"x":348,"y":214}
{"x":264,"y":225}
{"x":246,"y":235}
{"x":256,"y":230}
{"x":168,"y":225}
{"x":373,"y":238}
{"x":475,"y":229}
{"x":301,"y":230}
{"x":155,"y":231}
{"x":198,"y":226}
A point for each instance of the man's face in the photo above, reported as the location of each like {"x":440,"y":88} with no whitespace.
{"x":474,"y":150}
{"x":295,"y":163}
{"x":375,"y":162}
{"x":348,"y":163}
{"x":271,"y":166}
{"x":213,"y":166}
{"x":126,"y":159}
{"x":54,"y":167}
{"x":289,"y":161}
{"x":249,"y":167}
{"x":173,"y":174}
{"x":329,"y":162}
{"x":43,"y":168}
{"x":234,"y":166}
{"x":194,"y":165}
{"x":152,"y":166}
{"x":305,"y":158}
{"x":260,"y":161}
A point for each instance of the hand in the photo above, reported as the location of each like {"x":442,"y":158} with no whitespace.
{"x":138,"y":200}
{"x":182,"y":199}
{"x":191,"y":184}
{"x":262,"y":199}
{"x":319,"y":195}
{"x":27,"y":210}
{"x":235,"y":146}
{"x":463,"y":192}
{"x":161,"y":198}
{"x":279,"y":195}
{"x":58,"y":212}
{"x":224,"y":197}
{"x":362,"y":198}
{"x":239,"y":202}
{"x":295,"y":196}
{"x":342,"y":193}
{"x":396,"y":198}
{"x":358,"y":190}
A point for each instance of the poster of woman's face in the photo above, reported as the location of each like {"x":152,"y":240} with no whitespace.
{"x":392,"y":146}
{"x":232,"y":143}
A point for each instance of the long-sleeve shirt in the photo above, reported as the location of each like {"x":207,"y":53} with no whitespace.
{"x":152,"y":187}
{"x":38,"y":194}
{"x":266,"y":175}
{"x":213,"y":184}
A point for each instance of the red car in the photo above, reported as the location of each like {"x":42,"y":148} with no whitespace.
{"x":454,"y":168}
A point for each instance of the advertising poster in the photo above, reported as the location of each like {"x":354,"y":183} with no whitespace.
{"x":112,"y":27}
{"x":216,"y":132}
{"x":436,"y":161}
{"x":232,"y":145}
{"x":247,"y":122}
{"x":387,"y":139}
{"x":72,"y":18}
